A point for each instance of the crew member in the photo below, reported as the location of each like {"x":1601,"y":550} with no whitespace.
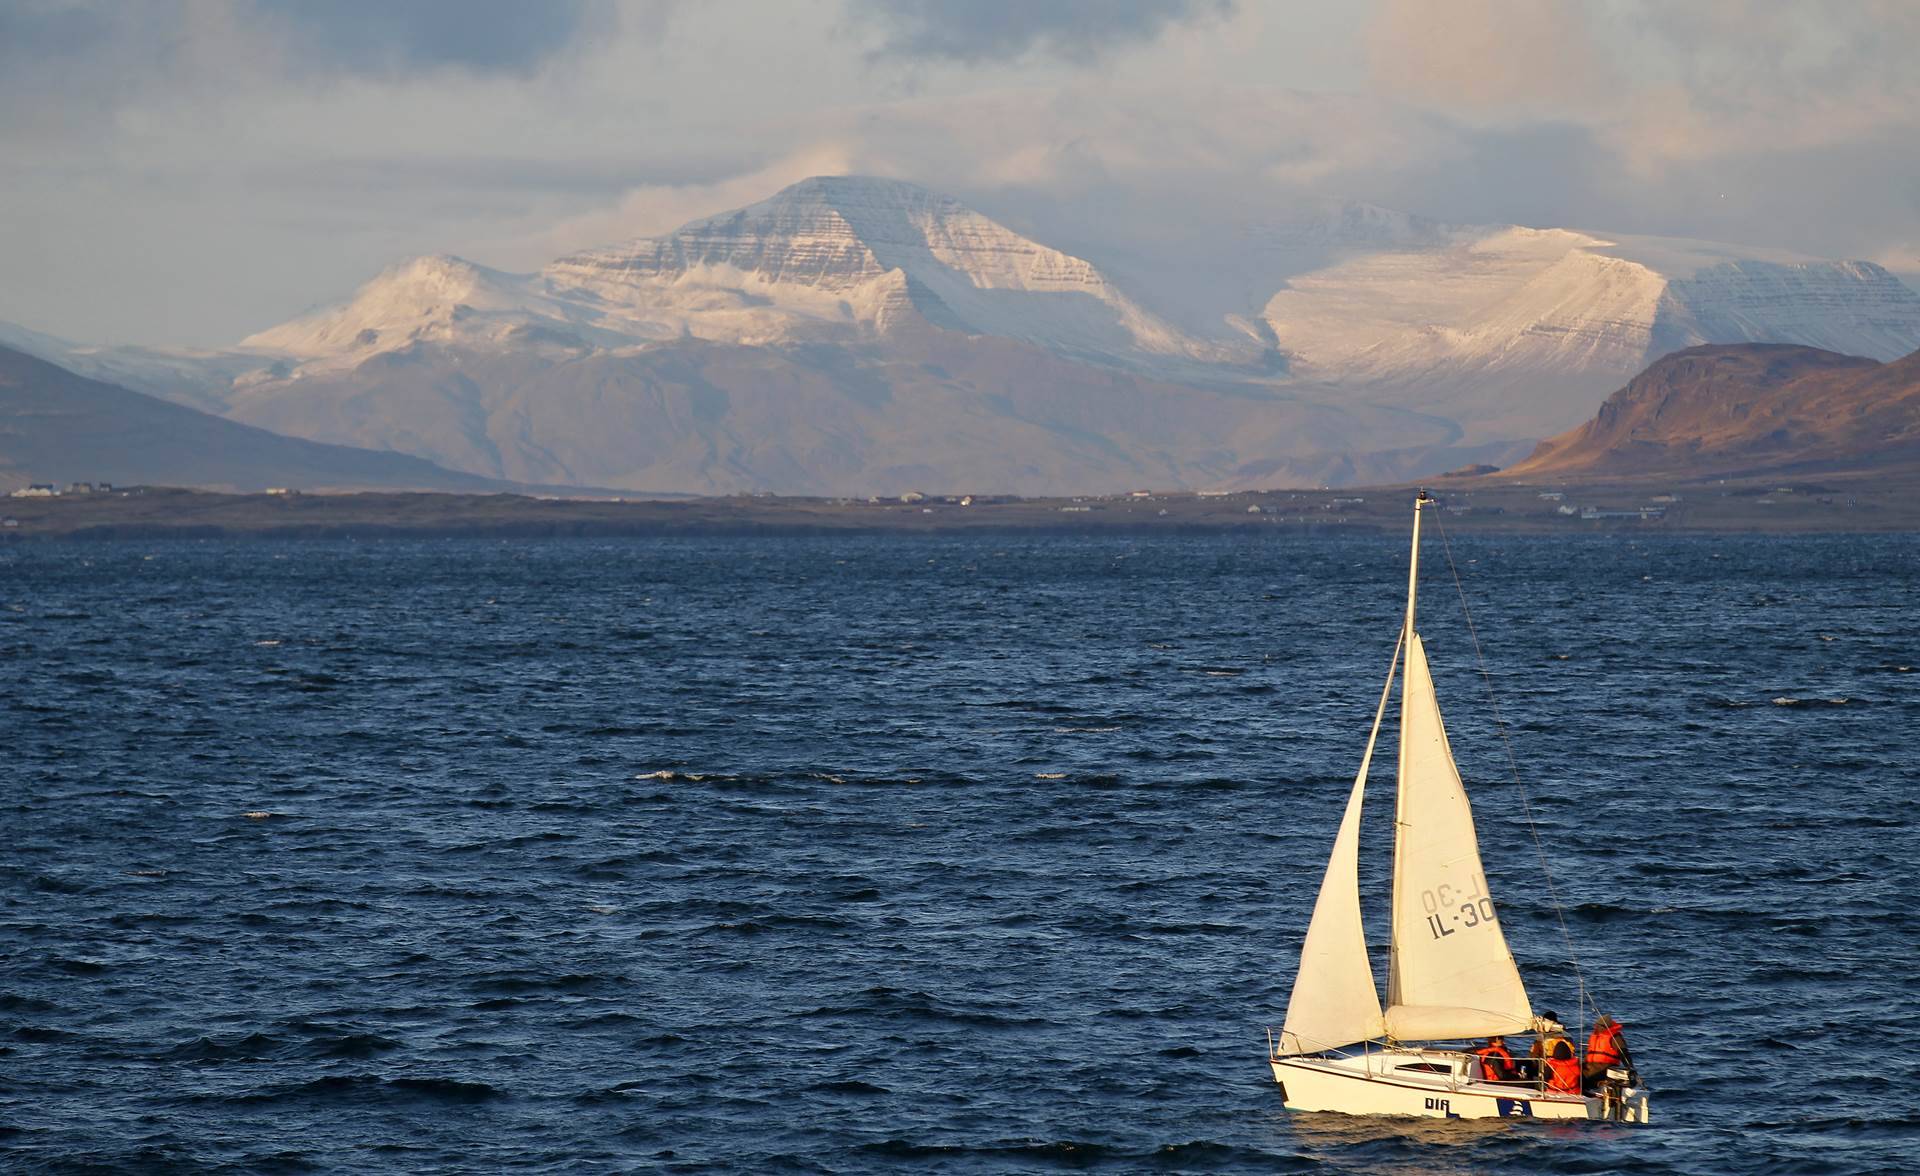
{"x":1549,"y":1032}
{"x":1606,"y":1048}
{"x":1563,"y":1070}
{"x":1496,"y":1064}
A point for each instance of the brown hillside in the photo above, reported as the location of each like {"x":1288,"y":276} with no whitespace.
{"x":56,"y":426}
{"x":1745,"y":407}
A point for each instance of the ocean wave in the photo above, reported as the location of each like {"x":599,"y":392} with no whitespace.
{"x":360,"y":1089}
{"x":212,"y":1050}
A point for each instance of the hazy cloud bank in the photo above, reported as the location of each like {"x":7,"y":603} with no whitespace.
{"x":194,"y":171}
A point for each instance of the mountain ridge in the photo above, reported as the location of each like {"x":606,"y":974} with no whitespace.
{"x":1517,"y":330}
{"x":56,"y":426}
{"x":929,"y":407}
{"x":1739,"y":409}
{"x":1375,"y":341}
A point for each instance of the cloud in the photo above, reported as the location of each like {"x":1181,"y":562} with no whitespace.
{"x":31,"y":31}
{"x":382,"y":36}
{"x":1516,"y":58}
{"x":192,"y":170}
{"x":1659,"y":83}
{"x":95,"y":54}
{"x":974,"y":32}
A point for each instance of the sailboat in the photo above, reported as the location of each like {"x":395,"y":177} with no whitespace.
{"x":1451,"y":978}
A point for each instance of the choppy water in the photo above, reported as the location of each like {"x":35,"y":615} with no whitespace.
{"x":969,"y":855}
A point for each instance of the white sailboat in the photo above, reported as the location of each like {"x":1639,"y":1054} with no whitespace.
{"x":1451,"y":977}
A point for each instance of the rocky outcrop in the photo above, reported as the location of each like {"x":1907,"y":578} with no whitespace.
{"x":1741,"y":409}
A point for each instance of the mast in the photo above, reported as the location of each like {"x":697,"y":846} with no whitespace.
{"x":1413,"y":564}
{"x":1335,"y":1001}
{"x":1400,"y":758}
{"x":1450,"y":974}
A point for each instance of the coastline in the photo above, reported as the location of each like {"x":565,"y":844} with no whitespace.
{"x":1864,"y":502}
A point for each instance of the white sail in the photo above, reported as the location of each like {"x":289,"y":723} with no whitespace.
{"x":1452,"y":975}
{"x":1335,"y":1001}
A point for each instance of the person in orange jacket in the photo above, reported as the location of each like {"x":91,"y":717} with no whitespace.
{"x":1606,"y":1048}
{"x":1496,"y":1064}
{"x":1547,"y":1034}
{"x":1563,"y":1070}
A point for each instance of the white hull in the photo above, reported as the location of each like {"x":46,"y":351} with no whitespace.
{"x":1381,"y":1084}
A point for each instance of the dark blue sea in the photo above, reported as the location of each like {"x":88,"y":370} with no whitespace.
{"x":937,"y":855}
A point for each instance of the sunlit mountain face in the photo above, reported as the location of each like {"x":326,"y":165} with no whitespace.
{"x":852,"y":335}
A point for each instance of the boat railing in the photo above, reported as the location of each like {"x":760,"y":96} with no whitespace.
{"x":1459,"y":1072}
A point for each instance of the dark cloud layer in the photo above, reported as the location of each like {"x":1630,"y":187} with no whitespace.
{"x":379,"y":36}
{"x":979,"y":31}
{"x":354,"y":37}
{"x":33,"y":31}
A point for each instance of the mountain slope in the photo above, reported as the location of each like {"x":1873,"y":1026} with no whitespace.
{"x":790,"y":346}
{"x":927,"y":409}
{"x":839,"y":254}
{"x":1745,"y":408}
{"x":58,"y":426}
{"x":1514,"y":331}
{"x":433,"y":299}
{"x":841,"y":258}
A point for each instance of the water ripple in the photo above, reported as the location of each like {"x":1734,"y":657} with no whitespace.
{"x":940,"y":854}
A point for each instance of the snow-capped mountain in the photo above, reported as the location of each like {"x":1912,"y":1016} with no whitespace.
{"x":852,"y":334}
{"x":1514,"y":330}
{"x":435,"y":300}
{"x":838,"y":255}
{"x":832,"y":259}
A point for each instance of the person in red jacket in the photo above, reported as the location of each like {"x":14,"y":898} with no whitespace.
{"x":1606,"y":1048}
{"x":1496,"y":1064}
{"x":1563,"y":1070}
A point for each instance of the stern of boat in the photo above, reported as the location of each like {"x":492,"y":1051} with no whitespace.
{"x":1625,"y":1104}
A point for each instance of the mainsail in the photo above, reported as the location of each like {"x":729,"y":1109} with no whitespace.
{"x":1452,"y":974}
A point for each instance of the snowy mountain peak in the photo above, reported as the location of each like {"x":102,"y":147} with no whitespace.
{"x":874,"y":199}
{"x":421,"y":298}
{"x":851,"y":254}
{"x":1518,"y":328}
{"x":880,"y":215}
{"x":432,"y":277}
{"x":436,"y":267}
{"x":1434,"y":333}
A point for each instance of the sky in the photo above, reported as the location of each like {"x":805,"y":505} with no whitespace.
{"x":189,"y":171}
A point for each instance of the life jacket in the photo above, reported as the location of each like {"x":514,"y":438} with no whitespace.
{"x":1543,"y":1047}
{"x":1563,"y":1076}
{"x":1496,"y":1064}
{"x":1603,"y":1047}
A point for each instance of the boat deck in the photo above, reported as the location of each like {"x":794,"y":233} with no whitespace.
{"x":1431,"y":1083}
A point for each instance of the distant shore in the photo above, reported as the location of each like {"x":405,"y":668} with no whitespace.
{"x":1854,"y":502}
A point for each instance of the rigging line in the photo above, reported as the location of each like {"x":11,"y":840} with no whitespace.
{"x":1513,"y":764}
